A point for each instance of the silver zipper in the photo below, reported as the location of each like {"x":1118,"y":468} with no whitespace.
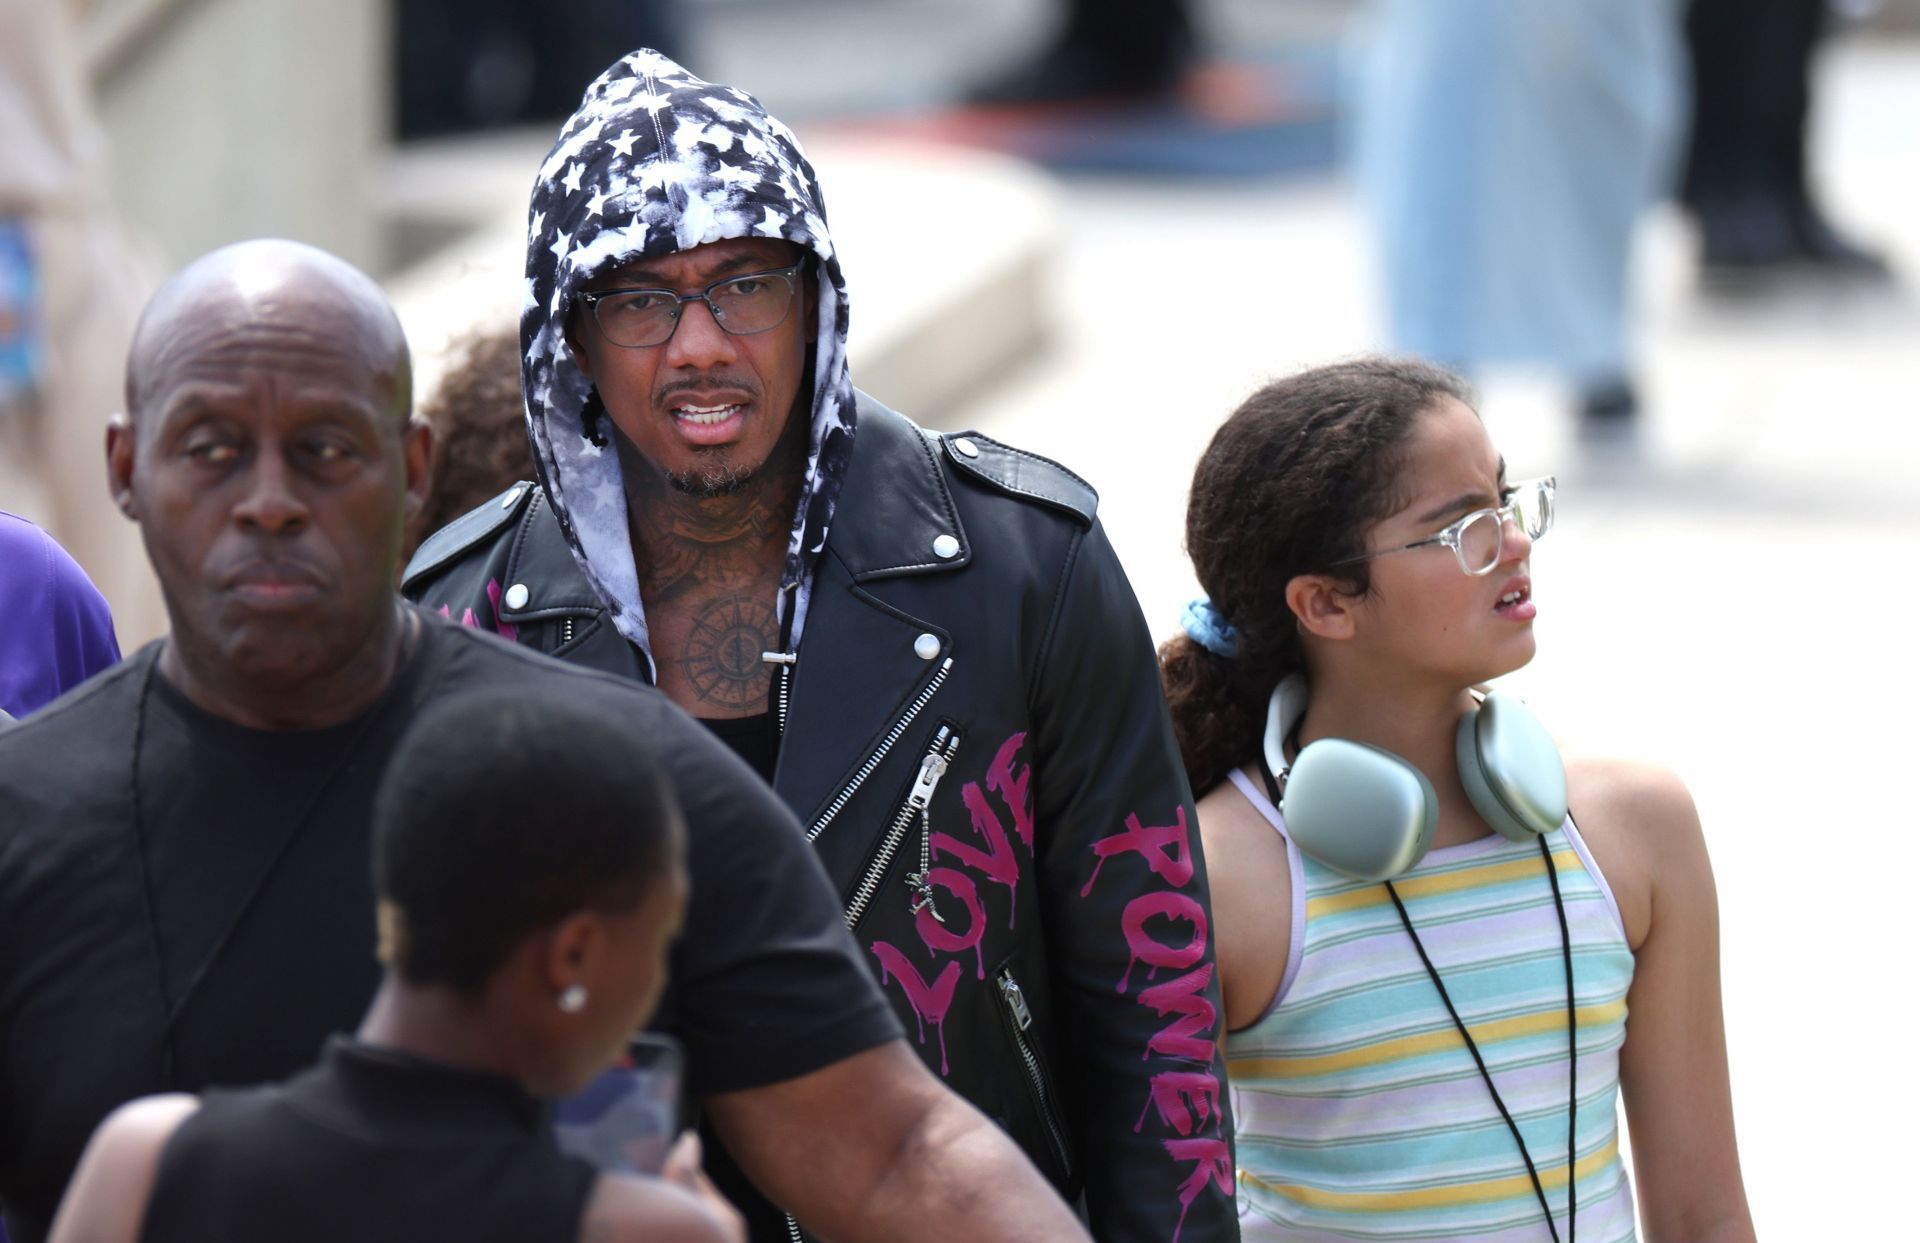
{"x":1021,"y":1018}
{"x":940,"y":753}
{"x":917,"y":802}
{"x":929,"y":775}
{"x":841,"y":799}
{"x":566,"y":631}
{"x":783,"y":663}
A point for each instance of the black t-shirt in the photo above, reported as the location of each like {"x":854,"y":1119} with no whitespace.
{"x":370,"y":1146}
{"x":242,"y":903}
{"x":752,"y":738}
{"x":251,"y":877}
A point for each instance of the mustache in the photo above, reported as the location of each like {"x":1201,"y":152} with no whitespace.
{"x":707,"y":384}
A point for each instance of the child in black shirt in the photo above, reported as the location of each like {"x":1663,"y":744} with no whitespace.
{"x":529,"y":860}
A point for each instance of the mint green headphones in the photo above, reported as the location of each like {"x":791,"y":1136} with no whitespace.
{"x":1366,"y":813}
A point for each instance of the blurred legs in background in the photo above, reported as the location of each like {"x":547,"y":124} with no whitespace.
{"x":1746,"y":179}
{"x":1507,"y":150}
{"x":1103,"y":50}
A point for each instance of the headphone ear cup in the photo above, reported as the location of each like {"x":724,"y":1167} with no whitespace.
{"x":1360,"y":810}
{"x":1511,"y":769}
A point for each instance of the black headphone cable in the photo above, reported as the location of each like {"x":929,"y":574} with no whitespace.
{"x":1573,"y":1048}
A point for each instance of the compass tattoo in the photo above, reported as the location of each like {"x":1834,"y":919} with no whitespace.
{"x":722,"y":655}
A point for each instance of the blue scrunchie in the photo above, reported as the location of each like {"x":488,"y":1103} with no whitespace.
{"x":1208,"y":626}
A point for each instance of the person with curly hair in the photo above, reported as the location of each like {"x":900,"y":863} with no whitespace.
{"x":1427,"y":965}
{"x":479,"y":423}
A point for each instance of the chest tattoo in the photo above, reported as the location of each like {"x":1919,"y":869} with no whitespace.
{"x":709,"y":572}
{"x":721,"y":656}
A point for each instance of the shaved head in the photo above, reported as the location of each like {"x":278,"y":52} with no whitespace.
{"x":267,"y":287}
{"x":269,"y":457}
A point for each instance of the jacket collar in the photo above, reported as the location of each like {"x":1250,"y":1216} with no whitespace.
{"x":896,"y":514}
{"x":541,"y":560}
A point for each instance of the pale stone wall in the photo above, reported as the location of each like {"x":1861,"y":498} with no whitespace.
{"x":230,"y":119}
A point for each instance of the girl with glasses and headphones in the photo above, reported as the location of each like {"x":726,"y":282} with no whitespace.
{"x":1436,"y":982}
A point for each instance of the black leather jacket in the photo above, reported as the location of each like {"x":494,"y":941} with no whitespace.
{"x":975,"y":699}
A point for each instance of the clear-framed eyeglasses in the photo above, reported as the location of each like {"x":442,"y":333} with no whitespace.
{"x":743,"y":305}
{"x":1476,"y":539}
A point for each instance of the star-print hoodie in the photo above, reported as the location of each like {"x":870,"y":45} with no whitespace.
{"x":653,"y":162}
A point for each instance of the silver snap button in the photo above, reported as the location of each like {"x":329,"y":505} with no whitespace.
{"x":967,"y":447}
{"x":517,"y":596}
{"x":946,"y":547}
{"x":926,"y":647}
{"x":510,"y":499}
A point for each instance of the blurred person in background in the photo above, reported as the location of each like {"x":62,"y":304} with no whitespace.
{"x":1507,"y":150}
{"x":184,"y":891}
{"x":58,"y":630}
{"x":1746,"y":183}
{"x":1101,"y":51}
{"x":70,"y":290}
{"x":925,"y":643}
{"x":1431,"y":1012}
{"x":529,"y":863}
{"x":479,"y":427}
{"x":466,"y":65}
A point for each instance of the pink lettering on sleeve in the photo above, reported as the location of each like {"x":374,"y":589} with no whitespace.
{"x":1142,"y":945}
{"x":1172,"y":1091}
{"x":1189,"y":1036}
{"x":1150,"y":842}
{"x":1212,"y":1163}
{"x":1184,"y":1100}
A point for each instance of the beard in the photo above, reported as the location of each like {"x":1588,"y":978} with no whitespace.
{"x":719,"y":478}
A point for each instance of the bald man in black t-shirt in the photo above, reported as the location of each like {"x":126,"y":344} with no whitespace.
{"x":184,"y":889}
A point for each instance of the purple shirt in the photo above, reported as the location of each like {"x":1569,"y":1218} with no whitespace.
{"x":55,"y":630}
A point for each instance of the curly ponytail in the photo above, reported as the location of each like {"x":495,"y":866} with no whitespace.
{"x":1290,"y":484}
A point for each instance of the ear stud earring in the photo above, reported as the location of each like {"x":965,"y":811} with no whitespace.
{"x":573,"y":998}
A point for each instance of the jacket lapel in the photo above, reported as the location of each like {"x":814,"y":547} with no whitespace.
{"x":863,"y":661}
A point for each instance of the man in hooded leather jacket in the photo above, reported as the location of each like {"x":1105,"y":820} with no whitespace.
{"x":923,"y":642}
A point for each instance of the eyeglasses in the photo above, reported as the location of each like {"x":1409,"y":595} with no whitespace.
{"x":1477,"y":539}
{"x":743,"y":305}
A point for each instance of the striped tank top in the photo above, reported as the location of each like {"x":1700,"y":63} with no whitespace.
{"x":1358,"y":1110}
